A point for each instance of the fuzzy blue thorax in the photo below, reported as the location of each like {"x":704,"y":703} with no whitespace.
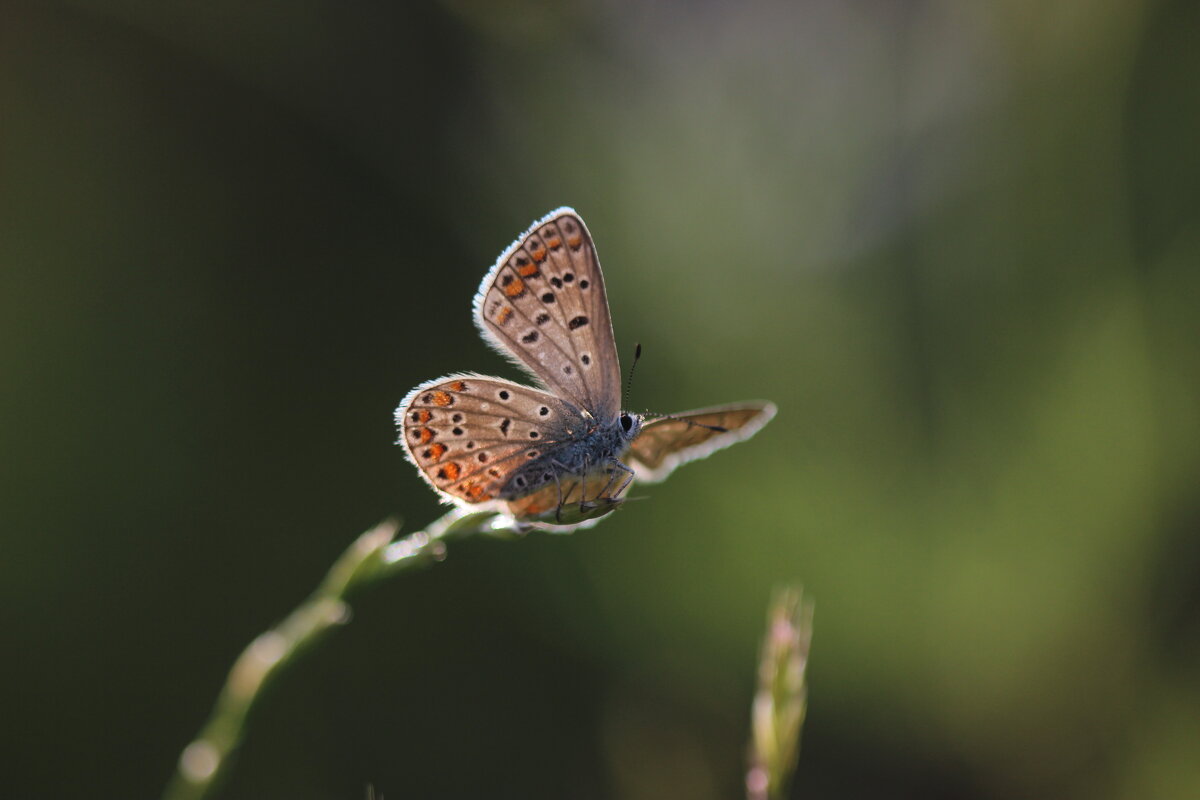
{"x":597,"y":447}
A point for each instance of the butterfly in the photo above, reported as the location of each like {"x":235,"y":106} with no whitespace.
{"x":564,"y":452}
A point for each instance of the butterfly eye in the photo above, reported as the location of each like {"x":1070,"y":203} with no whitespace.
{"x":626,"y":422}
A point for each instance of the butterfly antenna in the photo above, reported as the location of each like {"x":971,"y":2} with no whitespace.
{"x":637,"y":353}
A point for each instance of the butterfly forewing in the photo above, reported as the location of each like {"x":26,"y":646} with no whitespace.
{"x":544,"y":305}
{"x":468,"y":434}
{"x":666,"y":443}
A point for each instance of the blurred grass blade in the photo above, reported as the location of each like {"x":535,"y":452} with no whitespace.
{"x":373,"y":556}
{"x":781,"y":699}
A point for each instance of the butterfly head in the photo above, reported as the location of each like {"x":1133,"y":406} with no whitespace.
{"x":630,"y":424}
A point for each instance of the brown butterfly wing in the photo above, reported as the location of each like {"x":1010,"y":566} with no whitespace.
{"x":664,"y":444}
{"x":468,"y":434}
{"x":543,"y":305}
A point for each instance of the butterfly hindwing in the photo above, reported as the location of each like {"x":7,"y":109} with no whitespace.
{"x":665,"y":443}
{"x":468,"y":434}
{"x":543,"y":304}
{"x":571,"y":499}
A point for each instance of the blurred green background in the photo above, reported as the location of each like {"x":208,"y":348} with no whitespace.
{"x":958,"y":244}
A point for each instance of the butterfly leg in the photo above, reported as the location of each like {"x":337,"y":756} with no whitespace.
{"x":612,"y":478}
{"x":584,"y":504}
{"x":558,"y":507}
{"x":562,"y":501}
{"x":629,"y":475}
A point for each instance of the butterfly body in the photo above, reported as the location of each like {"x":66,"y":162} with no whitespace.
{"x":552,"y":454}
{"x":579,"y":449}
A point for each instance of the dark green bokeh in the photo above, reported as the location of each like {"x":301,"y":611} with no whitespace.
{"x":957,"y":245}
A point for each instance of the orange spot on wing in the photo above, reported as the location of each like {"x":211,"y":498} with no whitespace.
{"x":516,"y":288}
{"x":574,"y":242}
{"x":441,"y":398}
{"x":539,"y":254}
{"x":435,"y":451}
{"x":528,"y":271}
{"x":458,"y":386}
{"x":449,"y":472}
{"x":554,"y":243}
{"x":503,"y":315}
{"x":477,"y":493}
{"x":424,"y":415}
{"x":426,"y":435}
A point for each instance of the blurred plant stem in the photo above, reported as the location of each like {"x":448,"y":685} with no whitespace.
{"x":781,"y":699}
{"x":375,"y":555}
